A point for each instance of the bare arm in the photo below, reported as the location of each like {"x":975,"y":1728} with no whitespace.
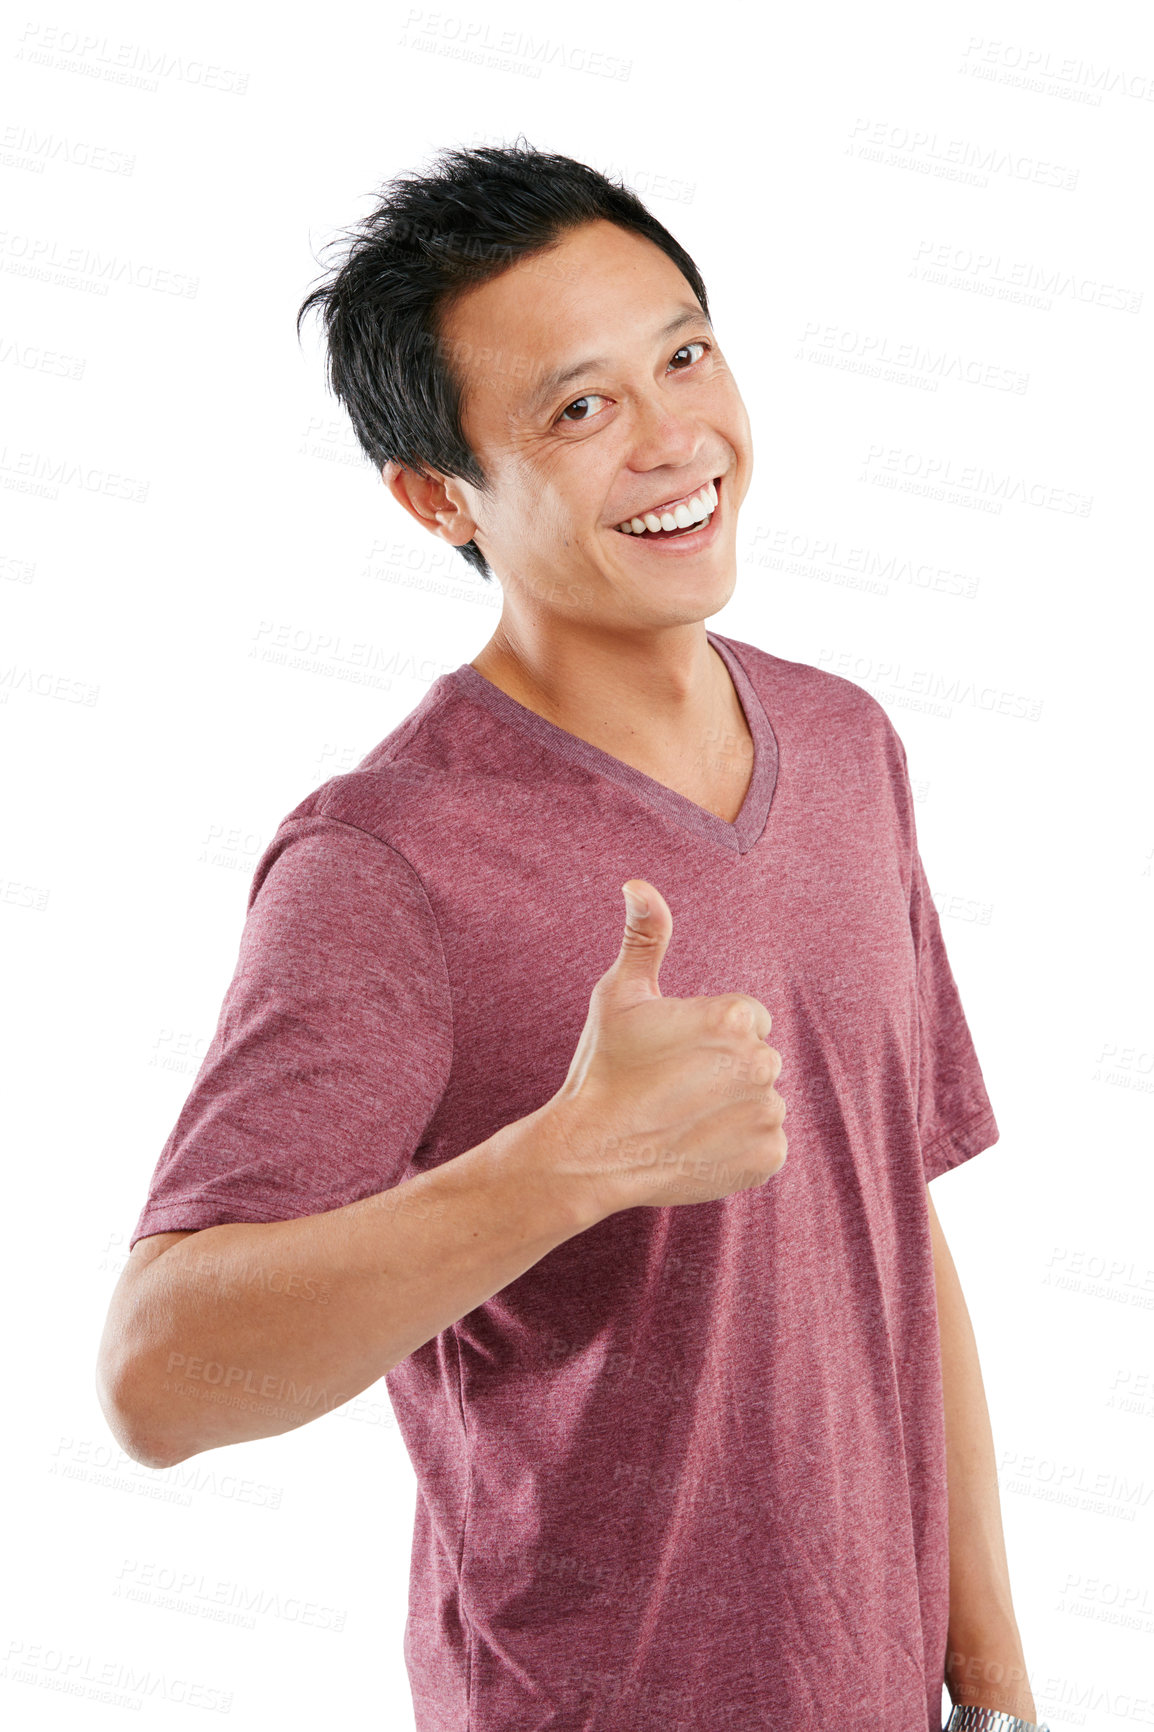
{"x":243,"y":1331}
{"x":985,"y":1667}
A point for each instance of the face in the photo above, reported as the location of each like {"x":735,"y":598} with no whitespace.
{"x":595,"y":395}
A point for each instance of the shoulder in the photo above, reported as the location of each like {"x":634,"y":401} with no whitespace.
{"x":407,"y":785}
{"x":367,"y":826}
{"x":818,"y":696}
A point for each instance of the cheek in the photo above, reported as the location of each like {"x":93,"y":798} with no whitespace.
{"x":561,"y":496}
{"x":533,"y":513}
{"x":736,"y":429}
{"x":732,"y":406}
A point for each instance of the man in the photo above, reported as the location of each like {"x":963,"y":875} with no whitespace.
{"x":699,"y":1432}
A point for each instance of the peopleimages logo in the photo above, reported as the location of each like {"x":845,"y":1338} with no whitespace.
{"x":116,"y":1683}
{"x":876,"y":355}
{"x":40,"y":474}
{"x":858,"y":566}
{"x":218,"y":1598}
{"x":1067,"y":76}
{"x":960,"y":159}
{"x":50,"y":260}
{"x":127,"y":63}
{"x":1022,"y":281}
{"x":504,"y":50}
{"x":939,"y":477}
{"x":27,"y":147}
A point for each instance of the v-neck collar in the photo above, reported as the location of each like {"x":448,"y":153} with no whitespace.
{"x":746,"y":828}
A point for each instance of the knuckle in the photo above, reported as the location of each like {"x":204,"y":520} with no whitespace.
{"x":773,"y":1148}
{"x":765,"y":1064}
{"x":737,"y":1012}
{"x":632,"y":940}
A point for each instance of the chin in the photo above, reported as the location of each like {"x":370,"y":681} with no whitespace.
{"x":687,"y":602}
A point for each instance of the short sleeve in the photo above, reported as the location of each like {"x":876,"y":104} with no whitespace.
{"x":955,"y":1118}
{"x":333,"y":1046}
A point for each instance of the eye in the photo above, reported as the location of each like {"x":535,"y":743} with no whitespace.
{"x":684,"y":350}
{"x":576,"y":404}
{"x":581,"y":403}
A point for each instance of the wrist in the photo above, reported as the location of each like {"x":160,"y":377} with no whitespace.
{"x":550,"y":1154}
{"x":986,"y":1669}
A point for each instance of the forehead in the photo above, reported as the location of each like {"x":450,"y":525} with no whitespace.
{"x":599,"y":291}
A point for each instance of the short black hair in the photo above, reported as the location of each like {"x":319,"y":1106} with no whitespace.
{"x":474,"y":213}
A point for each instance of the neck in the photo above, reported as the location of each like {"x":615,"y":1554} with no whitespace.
{"x":655,"y":700}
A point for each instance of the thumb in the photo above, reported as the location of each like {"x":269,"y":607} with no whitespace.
{"x":648,"y":929}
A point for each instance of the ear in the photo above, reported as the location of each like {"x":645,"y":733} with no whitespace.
{"x":437,"y":502}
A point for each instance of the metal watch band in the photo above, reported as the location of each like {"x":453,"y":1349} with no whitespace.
{"x":970,"y":1719}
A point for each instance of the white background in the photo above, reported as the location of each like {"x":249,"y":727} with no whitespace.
{"x":901,"y":214}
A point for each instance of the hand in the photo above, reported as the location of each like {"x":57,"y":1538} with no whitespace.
{"x":667,"y":1100}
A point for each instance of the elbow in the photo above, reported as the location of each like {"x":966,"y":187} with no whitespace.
{"x":148,"y":1451}
{"x":136,"y":1426}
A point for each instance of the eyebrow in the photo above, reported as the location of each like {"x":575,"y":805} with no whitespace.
{"x":552,"y":382}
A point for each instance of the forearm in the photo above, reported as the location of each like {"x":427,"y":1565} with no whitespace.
{"x":246,"y":1331}
{"x":985,"y":1665}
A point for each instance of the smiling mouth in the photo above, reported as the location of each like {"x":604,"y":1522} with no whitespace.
{"x":688,"y":515}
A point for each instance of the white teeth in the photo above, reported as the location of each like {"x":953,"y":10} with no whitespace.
{"x":696,"y":510}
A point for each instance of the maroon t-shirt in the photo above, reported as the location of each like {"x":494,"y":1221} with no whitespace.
{"x":688,"y":1470}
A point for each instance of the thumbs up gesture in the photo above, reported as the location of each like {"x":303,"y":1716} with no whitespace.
{"x":667,"y":1100}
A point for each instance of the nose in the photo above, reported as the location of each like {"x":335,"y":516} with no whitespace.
{"x":666,"y":434}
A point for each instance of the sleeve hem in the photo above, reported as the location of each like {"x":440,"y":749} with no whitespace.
{"x":191,"y":1214}
{"x":954,"y":1146}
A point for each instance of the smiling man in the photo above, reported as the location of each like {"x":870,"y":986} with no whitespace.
{"x":699,"y":1432}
